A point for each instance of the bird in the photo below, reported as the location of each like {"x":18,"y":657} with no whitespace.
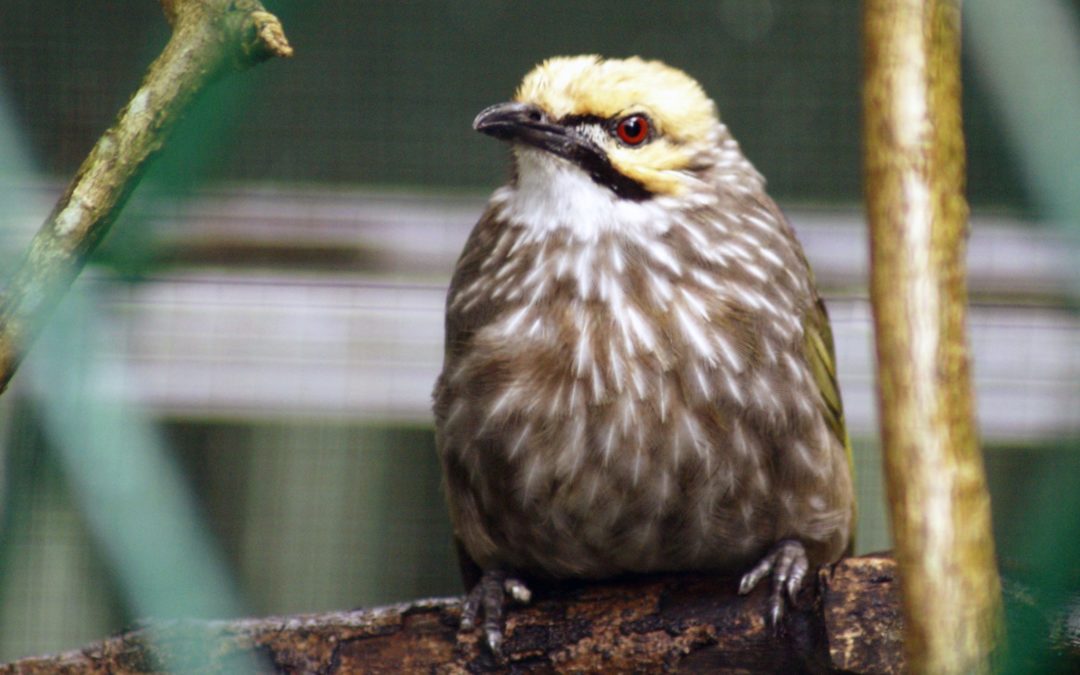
{"x":639,"y":373}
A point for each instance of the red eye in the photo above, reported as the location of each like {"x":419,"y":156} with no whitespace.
{"x":633,"y":130}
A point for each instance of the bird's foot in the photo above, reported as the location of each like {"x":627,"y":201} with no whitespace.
{"x":490,"y":595}
{"x":786,"y":562}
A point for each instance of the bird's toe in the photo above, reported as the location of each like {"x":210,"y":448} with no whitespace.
{"x":489,"y":597}
{"x":787,"y":565}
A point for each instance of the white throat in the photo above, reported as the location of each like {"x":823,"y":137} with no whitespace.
{"x":552,"y":193}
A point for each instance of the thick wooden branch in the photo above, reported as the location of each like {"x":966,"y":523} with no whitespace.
{"x":209,"y":38}
{"x":848,"y":622}
{"x":938,"y":499}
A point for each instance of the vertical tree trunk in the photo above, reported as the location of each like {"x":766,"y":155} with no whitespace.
{"x":914,"y":164}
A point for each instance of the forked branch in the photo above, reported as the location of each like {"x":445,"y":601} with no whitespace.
{"x":210,"y":37}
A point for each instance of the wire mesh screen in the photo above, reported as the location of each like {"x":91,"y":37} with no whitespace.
{"x":384,"y":93}
{"x":271,"y":299}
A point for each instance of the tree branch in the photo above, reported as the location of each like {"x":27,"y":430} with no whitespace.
{"x":939,"y":504}
{"x":209,"y":37}
{"x":849,"y":622}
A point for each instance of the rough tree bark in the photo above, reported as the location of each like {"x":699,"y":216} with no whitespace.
{"x":210,"y":37}
{"x":848,"y":622}
{"x":938,"y":501}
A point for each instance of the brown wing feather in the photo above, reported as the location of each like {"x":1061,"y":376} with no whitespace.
{"x":461,"y":323}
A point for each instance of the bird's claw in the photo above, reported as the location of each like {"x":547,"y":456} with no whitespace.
{"x":787,"y":563}
{"x":490,"y":595}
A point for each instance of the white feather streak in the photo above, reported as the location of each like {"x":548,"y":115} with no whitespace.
{"x":694,"y":333}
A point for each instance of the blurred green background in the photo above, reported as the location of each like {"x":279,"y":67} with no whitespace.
{"x":231,"y":414}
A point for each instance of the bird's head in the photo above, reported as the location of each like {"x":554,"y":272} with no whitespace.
{"x":641,"y":128}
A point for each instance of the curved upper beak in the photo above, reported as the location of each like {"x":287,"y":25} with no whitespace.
{"x":526,"y":123}
{"x":502,"y":120}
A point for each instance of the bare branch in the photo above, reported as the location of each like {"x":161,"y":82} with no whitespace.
{"x":850,"y":622}
{"x":209,"y":38}
{"x":937,"y":492}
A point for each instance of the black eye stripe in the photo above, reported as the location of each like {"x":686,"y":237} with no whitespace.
{"x":610,"y":125}
{"x":580,"y":120}
{"x":596,"y":163}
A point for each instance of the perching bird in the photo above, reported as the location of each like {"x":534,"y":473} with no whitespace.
{"x":639,"y":372}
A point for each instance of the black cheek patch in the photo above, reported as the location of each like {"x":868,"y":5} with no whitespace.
{"x":594,"y":161}
{"x":599,"y":168}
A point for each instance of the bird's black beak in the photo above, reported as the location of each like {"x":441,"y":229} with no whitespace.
{"x":526,"y":123}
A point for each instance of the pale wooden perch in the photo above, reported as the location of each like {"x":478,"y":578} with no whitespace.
{"x":938,"y":500}
{"x":209,"y":37}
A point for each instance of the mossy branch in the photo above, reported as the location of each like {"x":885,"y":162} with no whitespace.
{"x":209,"y":38}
